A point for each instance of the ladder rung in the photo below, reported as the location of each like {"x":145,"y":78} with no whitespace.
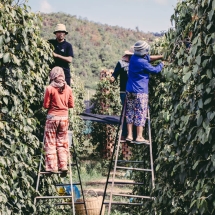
{"x":124,"y":182}
{"x":53,"y":197}
{"x":134,"y":196}
{"x":131,"y":168}
{"x":49,"y":173}
{"x":78,"y":183}
{"x":124,"y":161}
{"x":123,"y":203}
{"x":70,"y":203}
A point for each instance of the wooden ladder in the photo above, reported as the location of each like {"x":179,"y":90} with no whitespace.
{"x":118,"y":166}
{"x":74,"y":164}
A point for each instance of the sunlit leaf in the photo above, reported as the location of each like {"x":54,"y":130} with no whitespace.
{"x":6,"y":57}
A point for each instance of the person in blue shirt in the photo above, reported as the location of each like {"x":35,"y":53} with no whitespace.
{"x":137,"y":90}
{"x":121,"y":71}
{"x":63,"y":52}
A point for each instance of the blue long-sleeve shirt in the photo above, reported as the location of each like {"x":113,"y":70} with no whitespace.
{"x":138,"y":75}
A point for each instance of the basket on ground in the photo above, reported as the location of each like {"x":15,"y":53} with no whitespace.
{"x":93,"y":205}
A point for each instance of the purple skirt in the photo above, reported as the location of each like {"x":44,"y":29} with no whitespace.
{"x":136,"y":108}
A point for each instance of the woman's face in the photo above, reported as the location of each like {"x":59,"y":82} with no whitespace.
{"x":127,"y":57}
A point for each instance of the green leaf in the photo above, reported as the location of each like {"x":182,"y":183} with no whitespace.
{"x":157,"y":167}
{"x":7,"y":40}
{"x":29,"y":121}
{"x":207,"y":101}
{"x":195,"y":69}
{"x":186,"y":77}
{"x":13,"y":147}
{"x":193,"y":50}
{"x":199,"y":120}
{"x":31,"y":63}
{"x":198,"y":60}
{"x":1,"y":125}
{"x":209,"y":26}
{"x":196,"y":164}
{"x":6,"y":58}
{"x":5,"y":99}
{"x":1,"y":40}
{"x":214,"y":49}
{"x":204,"y":64}
{"x":195,"y":39}
{"x":16,"y":133}
{"x":4,"y":110}
{"x":208,"y":90}
{"x":185,"y":69}
{"x":200,"y":103}
{"x":209,"y":73}
{"x":192,"y":203}
{"x":209,"y":51}
{"x":16,"y":60}
{"x":211,"y":116}
{"x":180,"y":61}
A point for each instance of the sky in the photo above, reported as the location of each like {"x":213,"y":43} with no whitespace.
{"x":147,"y":15}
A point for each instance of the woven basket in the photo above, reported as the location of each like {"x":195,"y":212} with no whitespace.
{"x":93,"y":205}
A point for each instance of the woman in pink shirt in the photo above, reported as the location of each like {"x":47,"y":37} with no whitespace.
{"x":58,"y":99}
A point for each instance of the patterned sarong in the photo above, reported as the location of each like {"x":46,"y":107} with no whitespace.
{"x":56,"y":143}
{"x":136,"y":108}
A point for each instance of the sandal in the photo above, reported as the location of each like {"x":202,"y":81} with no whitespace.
{"x":64,"y":170}
{"x":140,"y":142}
{"x":128,"y":140}
{"x":123,"y":140}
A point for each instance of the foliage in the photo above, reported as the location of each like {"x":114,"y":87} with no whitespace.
{"x":106,"y":101}
{"x":96,"y":46}
{"x":182,"y":113}
{"x":24,"y":60}
{"x":24,"y":66}
{"x":77,"y":125}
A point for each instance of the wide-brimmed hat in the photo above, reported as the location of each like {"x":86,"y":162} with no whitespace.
{"x":60,"y":27}
{"x":130,"y":51}
{"x":141,"y":48}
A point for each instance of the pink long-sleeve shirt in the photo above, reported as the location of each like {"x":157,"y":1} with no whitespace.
{"x":58,"y":103}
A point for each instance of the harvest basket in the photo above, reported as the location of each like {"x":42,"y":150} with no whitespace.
{"x":93,"y":205}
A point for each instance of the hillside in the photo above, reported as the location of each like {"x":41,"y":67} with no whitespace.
{"x":95,"y":45}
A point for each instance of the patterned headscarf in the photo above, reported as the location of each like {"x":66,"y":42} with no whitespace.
{"x":57,"y":78}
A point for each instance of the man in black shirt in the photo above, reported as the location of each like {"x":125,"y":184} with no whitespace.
{"x":63,"y":52}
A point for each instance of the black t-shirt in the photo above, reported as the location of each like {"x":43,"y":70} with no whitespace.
{"x":121,"y":70}
{"x":64,"y":49}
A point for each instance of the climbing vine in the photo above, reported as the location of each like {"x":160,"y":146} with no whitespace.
{"x":183,"y":116}
{"x":24,"y":67}
{"x":24,"y":60}
{"x":77,"y":125}
{"x":106,"y":101}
